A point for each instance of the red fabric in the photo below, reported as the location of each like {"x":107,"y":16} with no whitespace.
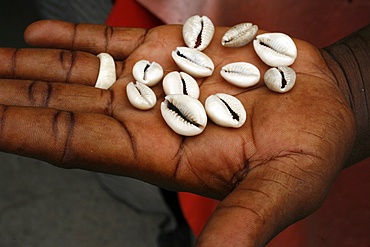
{"x":343,"y":220}
{"x":128,"y":13}
{"x":197,"y":210}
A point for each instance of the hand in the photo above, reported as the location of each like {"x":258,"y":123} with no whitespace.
{"x":274,"y":170}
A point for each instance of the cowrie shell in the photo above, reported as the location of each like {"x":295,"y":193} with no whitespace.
{"x":140,"y":95}
{"x":198,"y":32}
{"x":183,"y":114}
{"x":275,"y":49}
{"x":241,"y":74}
{"x":107,"y":71}
{"x":147,"y":73}
{"x":180,"y":83}
{"x":280,"y":79}
{"x":225,"y":110}
{"x":193,"y":62}
{"x":239,"y":35}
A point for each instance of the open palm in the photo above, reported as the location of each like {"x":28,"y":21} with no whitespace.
{"x":272,"y":171}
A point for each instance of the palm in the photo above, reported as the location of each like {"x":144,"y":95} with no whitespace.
{"x":285,"y":155}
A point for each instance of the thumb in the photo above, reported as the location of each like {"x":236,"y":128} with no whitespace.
{"x":267,"y":201}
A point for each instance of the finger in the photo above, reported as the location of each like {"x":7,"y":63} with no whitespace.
{"x":60,"y":96}
{"x":66,"y":139}
{"x":119,"y":42}
{"x":263,"y":204}
{"x":90,"y":141}
{"x":49,"y":65}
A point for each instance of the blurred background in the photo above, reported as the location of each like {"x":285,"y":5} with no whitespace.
{"x":15,"y":15}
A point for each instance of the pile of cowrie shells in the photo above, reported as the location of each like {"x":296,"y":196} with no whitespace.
{"x":181,"y":109}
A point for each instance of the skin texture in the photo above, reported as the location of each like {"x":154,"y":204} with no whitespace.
{"x":274,"y":170}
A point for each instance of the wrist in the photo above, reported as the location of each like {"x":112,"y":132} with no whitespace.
{"x":349,"y":61}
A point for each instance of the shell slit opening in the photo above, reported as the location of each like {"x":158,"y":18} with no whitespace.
{"x":138,"y":89}
{"x":233,"y":113}
{"x":199,"y":38}
{"x":283,"y":80}
{"x":173,"y":108}
{"x":268,"y":46}
{"x":184,"y":89}
{"x":145,"y":70}
{"x":181,"y":55}
{"x":190,"y":59}
{"x":264,"y":44}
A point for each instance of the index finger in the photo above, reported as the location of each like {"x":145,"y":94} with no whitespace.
{"x":117,"y":41}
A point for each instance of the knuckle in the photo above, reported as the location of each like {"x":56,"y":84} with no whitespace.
{"x":39,"y":93}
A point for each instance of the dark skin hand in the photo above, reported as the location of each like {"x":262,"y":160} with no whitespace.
{"x":274,"y":170}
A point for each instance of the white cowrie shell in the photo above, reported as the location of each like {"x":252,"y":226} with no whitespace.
{"x":241,"y":74}
{"x":239,"y":35}
{"x":275,"y":49}
{"x":198,"y":28}
{"x":184,"y":114}
{"x":141,"y":96}
{"x":147,"y":73}
{"x":107,"y":71}
{"x":180,"y":83}
{"x":193,"y":62}
{"x":225,"y":110}
{"x":280,"y":79}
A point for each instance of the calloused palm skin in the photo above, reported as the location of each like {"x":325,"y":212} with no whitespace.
{"x":271,"y":172}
